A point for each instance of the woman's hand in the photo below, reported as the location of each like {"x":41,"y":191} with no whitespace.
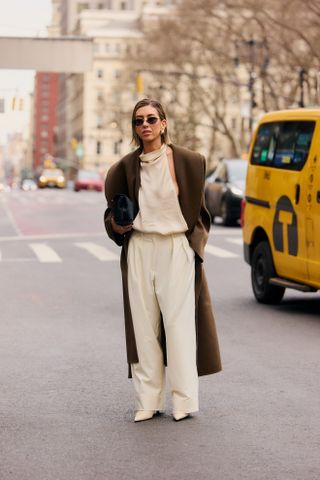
{"x":121,"y":230}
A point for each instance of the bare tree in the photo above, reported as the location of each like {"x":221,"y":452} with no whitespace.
{"x":213,"y":58}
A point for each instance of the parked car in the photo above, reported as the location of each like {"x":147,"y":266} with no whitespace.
{"x":28,"y":185}
{"x":52,"y":177}
{"x":224,"y":190}
{"x":88,"y":180}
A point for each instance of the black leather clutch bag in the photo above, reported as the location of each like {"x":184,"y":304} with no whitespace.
{"x":122,"y":209}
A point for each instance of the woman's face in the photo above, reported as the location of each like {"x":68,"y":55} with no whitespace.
{"x":151,"y":126}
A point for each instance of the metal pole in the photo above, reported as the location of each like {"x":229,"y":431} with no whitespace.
{"x":252,"y":100}
{"x":251,"y":43}
{"x":302,"y":74}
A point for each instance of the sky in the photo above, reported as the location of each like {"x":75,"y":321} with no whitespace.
{"x":20,"y":18}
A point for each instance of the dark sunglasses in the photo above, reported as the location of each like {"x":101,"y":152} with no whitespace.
{"x":138,"y":122}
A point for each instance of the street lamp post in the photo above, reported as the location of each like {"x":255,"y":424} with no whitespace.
{"x":252,"y":103}
{"x":252,"y":76}
{"x":302,"y":78}
{"x":248,"y":56}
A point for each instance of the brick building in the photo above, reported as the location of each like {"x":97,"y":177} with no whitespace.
{"x":45,"y":118}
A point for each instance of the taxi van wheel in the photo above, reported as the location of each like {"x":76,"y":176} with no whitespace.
{"x":262,"y":270}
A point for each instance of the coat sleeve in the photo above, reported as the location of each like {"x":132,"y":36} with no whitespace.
{"x":116,"y":237}
{"x":200,"y":233}
{"x":115,"y":183}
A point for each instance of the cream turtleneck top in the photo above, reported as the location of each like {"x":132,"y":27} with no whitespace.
{"x":159,"y":205}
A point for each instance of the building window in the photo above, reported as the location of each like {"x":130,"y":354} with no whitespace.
{"x":100,"y":6}
{"x":107,"y":47}
{"x":82,"y":6}
{"x":116,"y":147}
{"x":44,"y":118}
{"x":99,"y":121}
{"x":44,"y":134}
{"x":123,"y":5}
{"x":100,"y":96}
{"x":100,"y":73}
{"x":117,"y":74}
{"x":98,"y":147}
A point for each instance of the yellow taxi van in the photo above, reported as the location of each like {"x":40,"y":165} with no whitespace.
{"x":281,"y":208}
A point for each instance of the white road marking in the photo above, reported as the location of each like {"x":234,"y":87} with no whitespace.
{"x":19,"y":260}
{"x":220,"y":252}
{"x":237,"y":241}
{"x":51,"y":236}
{"x":44,"y":253}
{"x":98,"y":251}
{"x":11,"y":219}
{"x":225,"y":231}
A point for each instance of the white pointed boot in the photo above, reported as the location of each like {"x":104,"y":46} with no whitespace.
{"x":180,"y":416}
{"x":142,"y":415}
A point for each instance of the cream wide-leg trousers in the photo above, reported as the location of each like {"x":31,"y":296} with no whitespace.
{"x":161,"y":274}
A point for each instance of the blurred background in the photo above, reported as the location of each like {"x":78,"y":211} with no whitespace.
{"x":71,"y":72}
{"x":217,"y":67}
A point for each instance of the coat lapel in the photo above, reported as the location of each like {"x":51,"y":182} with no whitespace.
{"x":189,"y":180}
{"x":178,"y":167}
{"x":133,"y":178}
{"x":137,"y":182}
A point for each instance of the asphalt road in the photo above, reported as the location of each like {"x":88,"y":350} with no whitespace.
{"x":66,"y":404}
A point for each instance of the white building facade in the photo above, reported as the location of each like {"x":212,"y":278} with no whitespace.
{"x":94,"y":108}
{"x":100,"y":101}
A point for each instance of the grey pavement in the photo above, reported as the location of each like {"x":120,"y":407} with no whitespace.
{"x":66,"y":404}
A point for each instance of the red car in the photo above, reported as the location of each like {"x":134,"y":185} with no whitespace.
{"x":88,"y":180}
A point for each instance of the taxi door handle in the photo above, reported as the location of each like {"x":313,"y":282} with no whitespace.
{"x":297,"y":195}
{"x":318,"y":196}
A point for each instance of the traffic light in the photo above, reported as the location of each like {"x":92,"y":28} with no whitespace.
{"x":2,"y":105}
{"x":14,"y":103}
{"x":139,"y":84}
{"x":73,"y":143}
{"x":302,"y":79}
{"x":17,"y":103}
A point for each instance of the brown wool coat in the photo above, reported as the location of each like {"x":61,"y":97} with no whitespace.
{"x":124,"y":177}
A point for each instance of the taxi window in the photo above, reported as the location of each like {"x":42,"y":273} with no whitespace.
{"x":283,"y":145}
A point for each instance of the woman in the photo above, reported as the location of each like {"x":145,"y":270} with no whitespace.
{"x":168,"y":313}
